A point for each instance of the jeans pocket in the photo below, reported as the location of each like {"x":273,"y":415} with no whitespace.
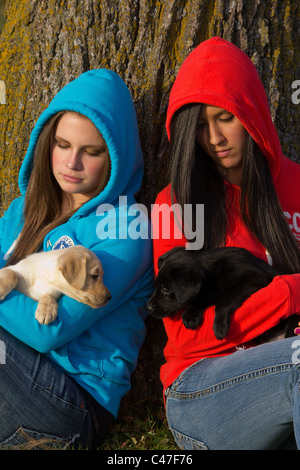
{"x":25,"y":439}
{"x":187,"y":443}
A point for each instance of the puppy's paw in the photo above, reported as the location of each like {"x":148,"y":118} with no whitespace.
{"x":190,"y":324}
{"x":46,"y":311}
{"x":220,"y":329}
{"x":191,"y":319}
{"x":4,"y":291}
{"x":8,"y":281}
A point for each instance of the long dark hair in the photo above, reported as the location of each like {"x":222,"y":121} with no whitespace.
{"x":196,"y":179}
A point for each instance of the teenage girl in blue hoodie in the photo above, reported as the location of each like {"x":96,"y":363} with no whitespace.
{"x":61,"y":384}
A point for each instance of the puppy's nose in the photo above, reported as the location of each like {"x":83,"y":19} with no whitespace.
{"x":108,"y":296}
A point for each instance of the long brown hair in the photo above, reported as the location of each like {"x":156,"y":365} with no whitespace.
{"x":43,"y":199}
{"x":195,"y":179}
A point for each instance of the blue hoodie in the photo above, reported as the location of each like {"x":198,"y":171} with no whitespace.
{"x":97,"y":348}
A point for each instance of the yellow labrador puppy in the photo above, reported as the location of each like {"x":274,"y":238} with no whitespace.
{"x":74,"y":271}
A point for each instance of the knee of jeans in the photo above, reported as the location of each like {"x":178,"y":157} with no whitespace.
{"x":25,"y":439}
{"x":187,"y":443}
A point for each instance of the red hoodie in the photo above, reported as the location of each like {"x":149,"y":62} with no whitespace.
{"x":219,"y":74}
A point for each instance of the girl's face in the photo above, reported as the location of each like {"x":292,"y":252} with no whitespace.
{"x":79,"y":158}
{"x":223,"y":138}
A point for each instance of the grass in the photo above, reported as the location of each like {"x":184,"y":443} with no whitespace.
{"x":141,"y":426}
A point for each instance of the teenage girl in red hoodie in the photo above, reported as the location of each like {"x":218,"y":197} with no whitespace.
{"x":225,"y":154}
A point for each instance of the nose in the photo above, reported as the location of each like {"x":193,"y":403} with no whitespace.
{"x":215,"y":135}
{"x":74,"y":161}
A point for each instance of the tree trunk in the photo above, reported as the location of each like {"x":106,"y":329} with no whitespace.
{"x":46,"y":43}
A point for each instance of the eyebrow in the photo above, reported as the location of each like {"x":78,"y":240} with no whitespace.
{"x":222,"y":112}
{"x":218,"y":114}
{"x":56,"y":137}
{"x":101,"y":147}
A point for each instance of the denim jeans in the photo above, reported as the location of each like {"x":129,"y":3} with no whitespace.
{"x":40,"y":406}
{"x":249,"y":400}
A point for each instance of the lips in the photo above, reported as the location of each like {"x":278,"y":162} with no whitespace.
{"x":71,"y":179}
{"x":223,"y":153}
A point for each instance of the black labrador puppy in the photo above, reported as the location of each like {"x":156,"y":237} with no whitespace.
{"x":194,"y":280}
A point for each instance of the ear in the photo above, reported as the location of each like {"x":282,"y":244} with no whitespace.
{"x":169,"y":253}
{"x":188,"y":284}
{"x":160,"y":262}
{"x":73,"y":268}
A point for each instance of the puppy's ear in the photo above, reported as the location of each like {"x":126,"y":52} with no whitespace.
{"x":160,"y":262}
{"x":169,"y":253}
{"x":73,"y":268}
{"x":188,"y":285}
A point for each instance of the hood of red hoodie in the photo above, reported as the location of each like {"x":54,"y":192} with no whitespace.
{"x":218,"y":73}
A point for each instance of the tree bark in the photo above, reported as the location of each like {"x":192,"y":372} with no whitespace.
{"x":46,"y":43}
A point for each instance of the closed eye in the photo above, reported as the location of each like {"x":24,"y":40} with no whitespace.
{"x":165,"y":290}
{"x":62,"y":145}
{"x":227,"y":119}
{"x":94,"y":276}
{"x":95,"y":152}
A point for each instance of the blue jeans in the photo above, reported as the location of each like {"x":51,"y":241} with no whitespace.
{"x":40,"y":406}
{"x":245,"y":401}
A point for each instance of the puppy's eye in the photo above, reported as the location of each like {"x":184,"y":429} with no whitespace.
{"x":165,"y":290}
{"x":94,"y":276}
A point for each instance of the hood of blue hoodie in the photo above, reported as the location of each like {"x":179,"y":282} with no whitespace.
{"x":103,"y":97}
